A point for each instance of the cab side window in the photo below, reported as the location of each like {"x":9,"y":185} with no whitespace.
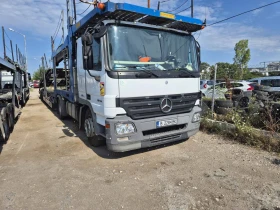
{"x":96,"y":46}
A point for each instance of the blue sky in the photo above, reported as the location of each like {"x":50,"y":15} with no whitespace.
{"x":37,"y":19}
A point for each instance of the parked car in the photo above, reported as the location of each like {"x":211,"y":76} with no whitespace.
{"x":36,"y":83}
{"x":204,"y":84}
{"x":269,"y":84}
{"x":221,"y":88}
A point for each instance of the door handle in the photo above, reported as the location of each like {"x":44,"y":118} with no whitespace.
{"x":97,"y":78}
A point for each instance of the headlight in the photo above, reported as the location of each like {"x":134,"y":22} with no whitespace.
{"x":196,"y":117}
{"x":124,"y":128}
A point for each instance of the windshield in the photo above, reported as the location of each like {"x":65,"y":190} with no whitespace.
{"x":140,"y":48}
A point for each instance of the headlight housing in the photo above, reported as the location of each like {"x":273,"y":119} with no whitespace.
{"x":125,"y":128}
{"x":196,"y":117}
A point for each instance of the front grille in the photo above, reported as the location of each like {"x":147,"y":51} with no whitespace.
{"x":164,"y":130}
{"x":149,"y":107}
{"x":165,"y":139}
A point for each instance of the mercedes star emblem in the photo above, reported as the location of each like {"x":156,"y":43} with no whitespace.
{"x":166,"y":105}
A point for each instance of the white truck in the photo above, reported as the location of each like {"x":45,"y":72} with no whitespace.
{"x":131,"y":76}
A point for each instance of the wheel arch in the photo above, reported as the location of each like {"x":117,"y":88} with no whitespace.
{"x":99,"y":129}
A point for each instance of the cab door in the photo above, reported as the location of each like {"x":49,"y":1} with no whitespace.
{"x":94,"y":85}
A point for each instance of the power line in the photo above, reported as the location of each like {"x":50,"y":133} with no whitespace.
{"x":179,"y":6}
{"x":183,"y":10}
{"x":54,"y":36}
{"x":244,"y":13}
{"x":7,"y":35}
{"x":61,"y":41}
{"x":8,"y":48}
{"x":85,"y":10}
{"x":58,"y":25}
{"x":198,"y":35}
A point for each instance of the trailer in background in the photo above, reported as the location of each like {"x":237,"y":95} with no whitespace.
{"x":21,"y":84}
{"x":10,"y":107}
{"x":14,"y":90}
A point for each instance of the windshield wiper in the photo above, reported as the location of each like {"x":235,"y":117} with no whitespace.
{"x":150,"y":73}
{"x":185,"y":71}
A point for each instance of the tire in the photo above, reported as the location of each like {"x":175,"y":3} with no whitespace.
{"x":243,"y":102}
{"x":61,"y":108}
{"x":207,"y":103}
{"x":222,"y":110}
{"x":93,"y":139}
{"x":6,"y":130}
{"x":41,"y":95}
{"x":11,"y":122}
{"x":23,"y":100}
{"x":224,"y":103}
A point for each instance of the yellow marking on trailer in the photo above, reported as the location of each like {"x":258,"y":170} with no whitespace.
{"x":167,"y":15}
{"x":78,"y":24}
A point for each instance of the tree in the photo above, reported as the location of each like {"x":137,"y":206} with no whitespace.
{"x":38,"y":74}
{"x":242,"y":56}
{"x":224,"y":71}
{"x":205,"y":72}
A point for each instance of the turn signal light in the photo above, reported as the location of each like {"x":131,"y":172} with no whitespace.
{"x":250,"y":88}
{"x":101,"y":6}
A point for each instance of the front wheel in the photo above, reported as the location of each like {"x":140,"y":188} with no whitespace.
{"x":6,"y":132}
{"x":94,"y":140}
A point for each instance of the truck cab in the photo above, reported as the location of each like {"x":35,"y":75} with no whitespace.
{"x":134,"y":77}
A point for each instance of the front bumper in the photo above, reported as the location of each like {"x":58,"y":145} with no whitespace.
{"x":147,"y":135}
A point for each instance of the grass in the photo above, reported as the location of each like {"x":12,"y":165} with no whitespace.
{"x":245,"y":135}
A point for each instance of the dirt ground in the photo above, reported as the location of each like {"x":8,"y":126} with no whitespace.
{"x":48,"y":164}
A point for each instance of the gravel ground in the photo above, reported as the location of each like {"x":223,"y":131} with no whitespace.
{"x":48,"y":164}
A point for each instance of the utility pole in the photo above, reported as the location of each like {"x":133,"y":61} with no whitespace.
{"x":265,"y":69}
{"x":158,"y":6}
{"x":192,"y":8}
{"x":62,"y":24}
{"x":213,"y":93}
{"x":4,"y":44}
{"x":149,"y":1}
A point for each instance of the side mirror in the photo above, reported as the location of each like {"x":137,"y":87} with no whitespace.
{"x":87,"y":39}
{"x":100,"y":32}
{"x":87,"y":51}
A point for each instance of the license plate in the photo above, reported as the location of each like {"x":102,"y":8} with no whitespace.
{"x":164,"y":123}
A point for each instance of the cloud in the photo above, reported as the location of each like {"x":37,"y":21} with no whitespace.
{"x":256,"y":12}
{"x":224,"y":37}
{"x":39,"y":18}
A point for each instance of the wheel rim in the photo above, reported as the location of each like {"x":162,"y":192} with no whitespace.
{"x":89,"y":129}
